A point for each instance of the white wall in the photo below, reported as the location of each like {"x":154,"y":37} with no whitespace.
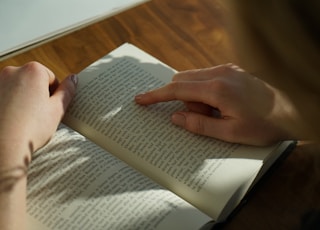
{"x":25,"y":22}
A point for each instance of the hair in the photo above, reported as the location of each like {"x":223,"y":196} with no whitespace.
{"x":279,"y":42}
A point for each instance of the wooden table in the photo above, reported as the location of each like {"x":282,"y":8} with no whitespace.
{"x":191,"y":34}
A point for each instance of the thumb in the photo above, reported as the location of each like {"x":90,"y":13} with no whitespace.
{"x":64,"y":94}
{"x":204,"y":125}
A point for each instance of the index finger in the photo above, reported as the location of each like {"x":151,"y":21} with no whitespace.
{"x":206,"y":73}
{"x":194,"y":91}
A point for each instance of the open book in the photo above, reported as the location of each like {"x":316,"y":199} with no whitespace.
{"x":116,"y":165}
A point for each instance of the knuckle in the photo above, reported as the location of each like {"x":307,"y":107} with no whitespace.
{"x":219,"y":85}
{"x":177,"y":76}
{"x":195,"y":125}
{"x":186,"y":75}
{"x":8,"y":70}
{"x":36,"y":71}
{"x":233,"y":133}
{"x":32,"y":67}
{"x":173,"y":86}
{"x":228,"y":69}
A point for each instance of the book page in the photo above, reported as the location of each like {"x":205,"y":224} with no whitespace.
{"x":33,"y":224}
{"x":74,"y":184}
{"x":202,"y":170}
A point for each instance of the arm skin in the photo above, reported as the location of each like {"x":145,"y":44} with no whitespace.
{"x":227,"y":103}
{"x":32,"y":104}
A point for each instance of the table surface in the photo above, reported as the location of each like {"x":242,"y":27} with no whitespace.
{"x":186,"y":35}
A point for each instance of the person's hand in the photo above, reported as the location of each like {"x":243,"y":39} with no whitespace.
{"x":32,"y":103}
{"x":227,"y":103}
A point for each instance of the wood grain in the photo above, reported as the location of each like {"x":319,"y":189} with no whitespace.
{"x":191,"y":34}
{"x":183,"y":34}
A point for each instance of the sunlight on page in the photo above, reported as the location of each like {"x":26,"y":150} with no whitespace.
{"x":75,"y":184}
{"x":112,"y":113}
{"x":227,"y":174}
{"x":148,"y":209}
{"x":96,"y":64}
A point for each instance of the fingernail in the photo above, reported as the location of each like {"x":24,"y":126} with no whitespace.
{"x":74,"y":79}
{"x":138,"y":98}
{"x":178,"y":119}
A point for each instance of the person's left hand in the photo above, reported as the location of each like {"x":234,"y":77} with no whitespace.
{"x":32,"y":103}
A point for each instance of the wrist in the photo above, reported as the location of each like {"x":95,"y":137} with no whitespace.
{"x":15,"y":156}
{"x":288,"y":118}
{"x":14,"y":153}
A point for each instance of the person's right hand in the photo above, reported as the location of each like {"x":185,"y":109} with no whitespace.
{"x":227,"y":103}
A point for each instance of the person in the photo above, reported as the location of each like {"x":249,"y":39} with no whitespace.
{"x":278,"y":44}
{"x":32,"y":104}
